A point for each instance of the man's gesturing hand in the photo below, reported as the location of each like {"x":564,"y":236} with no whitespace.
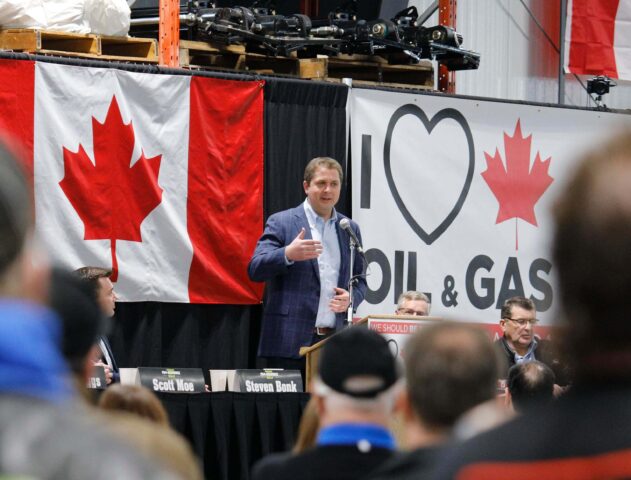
{"x":300,"y":249}
{"x":340,"y":302}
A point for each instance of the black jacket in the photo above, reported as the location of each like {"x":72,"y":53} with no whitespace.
{"x":413,"y":465}
{"x":334,"y":462}
{"x":545,"y":352}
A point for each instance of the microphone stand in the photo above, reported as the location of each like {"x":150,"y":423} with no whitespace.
{"x":351,"y":281}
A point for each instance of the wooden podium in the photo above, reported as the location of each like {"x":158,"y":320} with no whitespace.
{"x":312,"y":353}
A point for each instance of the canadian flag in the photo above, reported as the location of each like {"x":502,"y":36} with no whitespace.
{"x":598,"y":38}
{"x":159,"y":177}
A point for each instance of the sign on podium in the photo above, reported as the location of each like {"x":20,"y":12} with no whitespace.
{"x":396,"y":328}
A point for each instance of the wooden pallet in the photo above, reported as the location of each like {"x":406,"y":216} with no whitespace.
{"x":234,"y":57}
{"x":373,"y":69}
{"x":47,"y":42}
{"x":376,"y":69}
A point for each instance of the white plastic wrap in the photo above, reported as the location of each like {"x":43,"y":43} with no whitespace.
{"x":22,"y":14}
{"x":66,"y":16}
{"x":108,"y":17}
{"x":104,"y":17}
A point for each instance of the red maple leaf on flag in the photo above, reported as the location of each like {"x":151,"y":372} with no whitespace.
{"x":111,"y":196}
{"x":517,"y":187}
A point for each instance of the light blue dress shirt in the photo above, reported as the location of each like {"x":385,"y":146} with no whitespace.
{"x":328,"y":262}
{"x":529,"y":356}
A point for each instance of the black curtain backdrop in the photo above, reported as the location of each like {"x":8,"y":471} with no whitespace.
{"x":181,"y":335}
{"x":303,"y":119}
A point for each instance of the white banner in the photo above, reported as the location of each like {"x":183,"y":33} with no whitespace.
{"x":453,"y":197}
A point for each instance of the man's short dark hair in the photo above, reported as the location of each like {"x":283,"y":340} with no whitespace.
{"x":450,"y":368}
{"x":522,"y":302}
{"x":16,"y":211}
{"x":326,"y":162}
{"x":91,"y":275}
{"x":592,"y":253}
{"x":529,"y":383}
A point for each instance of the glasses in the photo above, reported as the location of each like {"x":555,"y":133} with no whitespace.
{"x":523,"y":321}
{"x":409,"y":311}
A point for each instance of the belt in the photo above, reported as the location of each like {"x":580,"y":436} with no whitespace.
{"x":323,"y":331}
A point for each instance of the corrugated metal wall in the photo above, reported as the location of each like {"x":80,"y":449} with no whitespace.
{"x":518,"y":62}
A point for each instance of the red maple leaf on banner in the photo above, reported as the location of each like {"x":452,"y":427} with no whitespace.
{"x":111,"y":197}
{"x":517,"y":187}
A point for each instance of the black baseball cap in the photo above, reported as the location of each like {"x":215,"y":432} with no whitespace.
{"x":358,"y":362}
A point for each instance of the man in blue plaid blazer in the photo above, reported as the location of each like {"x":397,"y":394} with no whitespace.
{"x":303,"y":256}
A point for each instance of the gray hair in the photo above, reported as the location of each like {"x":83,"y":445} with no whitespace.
{"x":414,"y":295}
{"x":383,"y":403}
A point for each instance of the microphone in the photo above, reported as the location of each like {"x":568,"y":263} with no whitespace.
{"x":345,"y":224}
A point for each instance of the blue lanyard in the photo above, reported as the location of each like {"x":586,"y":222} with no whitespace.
{"x":351,"y":434}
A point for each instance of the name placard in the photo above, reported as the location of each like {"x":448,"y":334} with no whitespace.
{"x":268,"y":381}
{"x":172,"y":380}
{"x":96,"y":380}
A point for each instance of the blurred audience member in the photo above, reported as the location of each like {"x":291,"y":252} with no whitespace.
{"x":450,"y":368}
{"x":145,"y":428}
{"x":134,"y":399}
{"x":82,"y":323}
{"x":413,"y":303}
{"x":587,"y":432}
{"x":103,"y":290}
{"x":354,"y":393}
{"x":44,"y":433}
{"x":530,"y":383}
{"x":156,"y":440}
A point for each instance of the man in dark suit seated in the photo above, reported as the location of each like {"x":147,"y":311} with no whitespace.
{"x":303,"y":256}
{"x":355,"y":393}
{"x":99,"y":281}
{"x":520,"y":343}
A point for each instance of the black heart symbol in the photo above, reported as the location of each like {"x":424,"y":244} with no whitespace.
{"x":410,"y":109}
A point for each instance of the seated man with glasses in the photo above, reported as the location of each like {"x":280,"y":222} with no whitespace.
{"x":520,"y":344}
{"x":413,"y":303}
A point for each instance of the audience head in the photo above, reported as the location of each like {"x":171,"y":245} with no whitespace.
{"x":19,"y":275}
{"x":102,"y":288}
{"x":357,"y":378}
{"x":413,"y":303}
{"x":134,"y":399}
{"x":81,"y":319}
{"x":530,"y":383}
{"x":164,"y":446}
{"x":15,"y":208}
{"x":450,"y":368}
{"x":592,"y":254}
